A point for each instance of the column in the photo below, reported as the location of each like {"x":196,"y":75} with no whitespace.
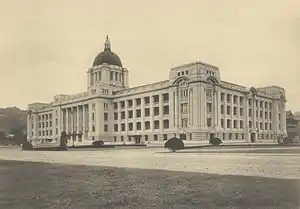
{"x":67,"y":121}
{"x":190,"y":107}
{"x":133,"y":114}
{"x":161,"y":113}
{"x":171,"y":109}
{"x":78,"y":119}
{"x":142,"y":114}
{"x":83,"y":119}
{"x":215,"y":111}
{"x":151,"y":113}
{"x":254,"y":119}
{"x":29,"y":126}
{"x":246,"y":118}
{"x":176,"y":109}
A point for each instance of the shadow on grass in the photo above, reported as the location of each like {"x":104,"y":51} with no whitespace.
{"x":30,"y":185}
{"x":239,"y":149}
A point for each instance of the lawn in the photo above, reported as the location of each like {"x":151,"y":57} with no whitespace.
{"x":29,"y":185}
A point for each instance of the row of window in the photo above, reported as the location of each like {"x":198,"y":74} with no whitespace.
{"x":240,"y":112}
{"x":138,"y":101}
{"x":240,"y":100}
{"x":183,"y":73}
{"x":156,"y":125}
{"x":262,"y":126}
{"x":45,"y":117}
{"x":138,"y":113}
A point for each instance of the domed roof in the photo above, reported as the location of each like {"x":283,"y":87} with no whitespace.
{"x":107,"y":56}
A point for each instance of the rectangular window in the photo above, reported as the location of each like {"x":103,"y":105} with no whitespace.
{"x":115,"y":105}
{"x":222,"y":123}
{"x":130,"y":126}
{"x":147,"y":125}
{"x":130,"y":114}
{"x":123,"y":115}
{"x":241,"y":124}
{"x":138,"y":126}
{"x":209,"y":107}
{"x":115,"y":116}
{"x":105,"y":116}
{"x":147,"y":112}
{"x":184,"y":123}
{"x":105,"y":128}
{"x":146,"y":100}
{"x":228,"y":110}
{"x":235,"y":111}
{"x":235,"y":124}
{"x":138,"y":113}
{"x":116,"y":127}
{"x":166,"y":110}
{"x":155,"y":99}
{"x":183,"y":108}
{"x":166,"y":97}
{"x":122,"y":104}
{"x":111,"y":76}
{"x":156,"y":111}
{"x":241,"y":111}
{"x":208,"y":122}
{"x":156,"y":124}
{"x":138,"y":102}
{"x":166,"y":124}
{"x":130,"y":103}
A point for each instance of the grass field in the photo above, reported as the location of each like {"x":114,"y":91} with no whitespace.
{"x":29,"y":185}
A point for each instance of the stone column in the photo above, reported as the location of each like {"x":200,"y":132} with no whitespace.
{"x":176,"y":110}
{"x":78,"y":119}
{"x":161,"y":113}
{"x":142,"y":114}
{"x":29,"y":127}
{"x":151,"y":113}
{"x":67,"y":121}
{"x":83,"y":119}
{"x":172,"y":108}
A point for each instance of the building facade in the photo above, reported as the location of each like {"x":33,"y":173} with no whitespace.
{"x":193,"y":104}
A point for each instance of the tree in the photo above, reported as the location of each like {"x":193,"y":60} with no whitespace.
{"x":18,"y":135}
{"x":215,"y":141}
{"x":2,"y":137}
{"x":174,"y":144}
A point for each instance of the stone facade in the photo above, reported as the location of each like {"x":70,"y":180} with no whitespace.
{"x":193,"y":104}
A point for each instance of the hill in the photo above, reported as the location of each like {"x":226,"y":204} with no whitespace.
{"x":12,"y":118}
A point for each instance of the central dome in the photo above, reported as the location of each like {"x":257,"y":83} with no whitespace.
{"x":107,"y":56}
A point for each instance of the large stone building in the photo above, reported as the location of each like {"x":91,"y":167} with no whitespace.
{"x":193,"y":104}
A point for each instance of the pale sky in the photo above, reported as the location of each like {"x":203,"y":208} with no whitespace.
{"x":46,"y":47}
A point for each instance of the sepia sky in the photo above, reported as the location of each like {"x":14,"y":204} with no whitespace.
{"x":46,"y":47}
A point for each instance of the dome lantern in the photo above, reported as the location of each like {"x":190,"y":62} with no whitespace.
{"x":107,"y":56}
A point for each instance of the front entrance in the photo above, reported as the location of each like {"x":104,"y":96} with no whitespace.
{"x":182,"y":136}
{"x":253,"y":136}
{"x":211,"y":136}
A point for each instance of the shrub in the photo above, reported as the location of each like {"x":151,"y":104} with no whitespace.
{"x":98,"y":143}
{"x":27,"y":145}
{"x":174,"y":144}
{"x":287,"y":140}
{"x":215,"y":141}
